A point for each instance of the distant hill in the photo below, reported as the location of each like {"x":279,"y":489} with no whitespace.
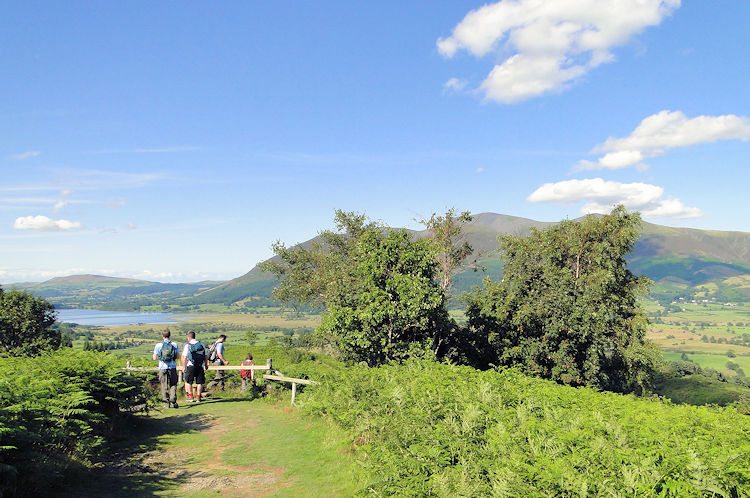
{"x":102,"y":292}
{"x":681,"y":262}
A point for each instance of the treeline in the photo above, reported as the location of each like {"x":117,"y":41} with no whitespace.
{"x":108,"y":345}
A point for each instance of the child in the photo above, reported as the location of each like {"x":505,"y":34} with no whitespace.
{"x":247,"y":375}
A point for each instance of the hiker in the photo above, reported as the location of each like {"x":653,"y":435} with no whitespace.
{"x":194,"y":365}
{"x":248,"y":376}
{"x":166,"y":352}
{"x":216,"y":357}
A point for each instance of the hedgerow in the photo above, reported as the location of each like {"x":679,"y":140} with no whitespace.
{"x":428,"y":429}
{"x":57,"y":410}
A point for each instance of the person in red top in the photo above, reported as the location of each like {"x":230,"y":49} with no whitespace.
{"x":248,"y":376}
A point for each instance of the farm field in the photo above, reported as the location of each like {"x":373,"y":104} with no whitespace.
{"x":710,"y":334}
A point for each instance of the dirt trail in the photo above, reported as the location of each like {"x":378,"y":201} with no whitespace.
{"x":209,"y":473}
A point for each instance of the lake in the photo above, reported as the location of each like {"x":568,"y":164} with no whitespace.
{"x":109,"y":318}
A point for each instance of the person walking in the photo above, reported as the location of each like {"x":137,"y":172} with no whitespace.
{"x":194,"y":363}
{"x":216,"y":357}
{"x":166,"y":352}
{"x":248,"y":376}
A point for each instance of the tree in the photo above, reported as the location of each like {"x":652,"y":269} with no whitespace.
{"x":567,"y":306}
{"x":26,"y":324}
{"x":388,"y":305}
{"x":377,"y":286}
{"x":451,"y":249}
{"x":304,"y":273}
{"x":251,"y":337}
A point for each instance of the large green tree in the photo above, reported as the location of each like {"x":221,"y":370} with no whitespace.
{"x":378,"y":288}
{"x":567,"y":308}
{"x":25,"y":324}
{"x":387,"y":305}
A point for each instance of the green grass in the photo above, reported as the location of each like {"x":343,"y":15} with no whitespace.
{"x":260,"y":447}
{"x":715,"y":361}
{"x":700,"y":390}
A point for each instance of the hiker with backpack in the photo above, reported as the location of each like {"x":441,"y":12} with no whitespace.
{"x":194,"y":365}
{"x":166,"y":352}
{"x":216,"y":357}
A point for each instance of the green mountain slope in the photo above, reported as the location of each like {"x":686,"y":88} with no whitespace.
{"x":680,"y":261}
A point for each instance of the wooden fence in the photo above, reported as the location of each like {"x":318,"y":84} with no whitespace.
{"x":268,"y":367}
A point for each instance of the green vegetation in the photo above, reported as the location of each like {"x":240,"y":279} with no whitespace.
{"x":57,"y":410}
{"x":428,"y":429}
{"x":26,"y":324}
{"x":378,"y":288}
{"x":567,"y":308}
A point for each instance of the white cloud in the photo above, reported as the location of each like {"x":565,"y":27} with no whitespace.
{"x":44,"y":224}
{"x":663,"y":131}
{"x":25,"y":155}
{"x":59,"y":205}
{"x":600,"y":196}
{"x":545,"y":45}
{"x":480,"y":170}
{"x":454,"y":85}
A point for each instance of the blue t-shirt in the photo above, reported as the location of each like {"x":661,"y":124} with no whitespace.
{"x":219,"y":351}
{"x":170,"y":364}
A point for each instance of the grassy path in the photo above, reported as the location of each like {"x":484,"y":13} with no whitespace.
{"x":225,"y":447}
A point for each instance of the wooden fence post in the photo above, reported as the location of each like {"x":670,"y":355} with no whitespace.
{"x":294,"y":391}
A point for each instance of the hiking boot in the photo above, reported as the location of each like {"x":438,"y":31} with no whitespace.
{"x":166,"y":405}
{"x":199,"y":399}
{"x":190,"y":398}
{"x":175,"y":405}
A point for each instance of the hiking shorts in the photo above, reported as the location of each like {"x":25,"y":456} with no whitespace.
{"x":195,"y":374}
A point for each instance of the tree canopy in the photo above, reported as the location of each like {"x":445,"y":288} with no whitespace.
{"x":25,"y":324}
{"x":378,"y":287}
{"x":567,"y":306}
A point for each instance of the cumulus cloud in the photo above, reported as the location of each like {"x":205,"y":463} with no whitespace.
{"x":663,"y":131}
{"x":545,"y":45}
{"x":25,"y":155}
{"x":44,"y":224}
{"x":600,"y":196}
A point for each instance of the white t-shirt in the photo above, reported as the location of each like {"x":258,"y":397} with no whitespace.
{"x":186,"y":352}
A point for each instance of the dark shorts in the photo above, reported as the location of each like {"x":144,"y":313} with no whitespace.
{"x":195,"y":374}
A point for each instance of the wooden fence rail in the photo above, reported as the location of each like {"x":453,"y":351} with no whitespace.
{"x":267,"y":367}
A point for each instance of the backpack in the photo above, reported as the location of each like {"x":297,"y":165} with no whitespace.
{"x":197,"y":354}
{"x":167,"y":354}
{"x":212,"y":353}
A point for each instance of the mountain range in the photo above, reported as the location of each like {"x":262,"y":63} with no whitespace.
{"x":680,"y":261}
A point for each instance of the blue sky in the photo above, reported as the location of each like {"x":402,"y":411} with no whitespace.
{"x":177,"y":141}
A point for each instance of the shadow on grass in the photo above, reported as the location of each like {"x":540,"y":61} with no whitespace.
{"x":124,"y":472}
{"x":699,"y":390}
